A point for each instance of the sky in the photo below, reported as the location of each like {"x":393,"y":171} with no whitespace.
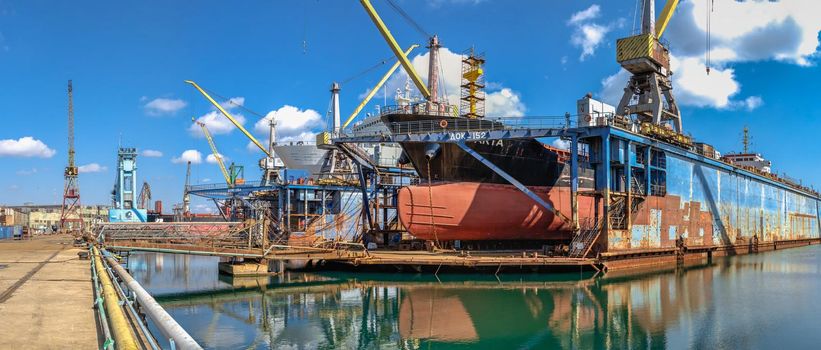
{"x":277,"y":59}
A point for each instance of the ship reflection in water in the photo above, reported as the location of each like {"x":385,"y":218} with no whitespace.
{"x":759,"y":301}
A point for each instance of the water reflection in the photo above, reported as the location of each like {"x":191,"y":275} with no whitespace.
{"x":758,"y":301}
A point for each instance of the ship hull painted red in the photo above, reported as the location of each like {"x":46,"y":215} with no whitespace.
{"x":475,"y":211}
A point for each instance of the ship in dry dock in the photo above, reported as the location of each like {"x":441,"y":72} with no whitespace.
{"x":638,"y":177}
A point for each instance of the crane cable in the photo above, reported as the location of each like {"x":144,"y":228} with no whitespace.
{"x":408,"y":19}
{"x":230,"y":101}
{"x":710,"y":8}
{"x":366,"y":70}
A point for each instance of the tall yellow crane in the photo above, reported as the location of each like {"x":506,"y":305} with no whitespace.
{"x":376,"y":88}
{"x":648,"y":60}
{"x":217,"y":155}
{"x":397,"y":51}
{"x":230,"y":117}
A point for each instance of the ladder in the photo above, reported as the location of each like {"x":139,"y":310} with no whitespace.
{"x":583,"y":241}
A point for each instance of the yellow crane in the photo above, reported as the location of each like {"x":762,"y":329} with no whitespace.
{"x":403,"y":58}
{"x":648,"y":60}
{"x":217,"y":156}
{"x":230,"y":117}
{"x":376,"y":88}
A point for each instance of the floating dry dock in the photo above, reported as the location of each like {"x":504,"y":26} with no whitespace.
{"x":655,"y":197}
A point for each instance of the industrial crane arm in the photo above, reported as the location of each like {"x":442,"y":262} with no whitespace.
{"x":664,"y":17}
{"x":403,"y":59}
{"x":376,"y":88}
{"x":230,"y":117}
{"x":214,"y":151}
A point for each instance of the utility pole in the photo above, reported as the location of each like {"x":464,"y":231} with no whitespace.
{"x":71,"y":219}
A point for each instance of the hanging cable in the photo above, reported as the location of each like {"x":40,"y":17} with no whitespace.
{"x":231,"y":102}
{"x":442,"y":82}
{"x":367,"y":70}
{"x":710,"y":8}
{"x":409,"y":19}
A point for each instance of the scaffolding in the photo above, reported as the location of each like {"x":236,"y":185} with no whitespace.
{"x":472,"y":100}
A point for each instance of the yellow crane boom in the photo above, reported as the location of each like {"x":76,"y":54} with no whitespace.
{"x":214,"y":151}
{"x":230,"y":117}
{"x":376,"y":88}
{"x":403,"y":59}
{"x":664,"y":17}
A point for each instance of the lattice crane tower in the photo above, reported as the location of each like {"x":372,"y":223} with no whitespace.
{"x":70,"y":218}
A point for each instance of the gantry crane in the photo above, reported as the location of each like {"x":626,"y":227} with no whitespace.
{"x":648,"y":60}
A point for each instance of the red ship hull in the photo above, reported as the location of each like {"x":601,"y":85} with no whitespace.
{"x":484,"y":211}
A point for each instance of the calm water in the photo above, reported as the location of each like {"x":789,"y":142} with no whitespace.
{"x":765,"y":301}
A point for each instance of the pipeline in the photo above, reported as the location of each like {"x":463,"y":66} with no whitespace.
{"x":123,"y":337}
{"x":164,"y":322}
{"x":108,"y":343}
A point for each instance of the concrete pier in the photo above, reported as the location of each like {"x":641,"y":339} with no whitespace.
{"x":45,"y":295}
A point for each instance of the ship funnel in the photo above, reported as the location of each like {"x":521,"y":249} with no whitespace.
{"x":431,"y":150}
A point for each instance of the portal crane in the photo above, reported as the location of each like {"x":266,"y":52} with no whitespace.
{"x":403,"y":58}
{"x":270,"y":164}
{"x":230,"y":117}
{"x":648,"y":60}
{"x":217,"y":155}
{"x":70,"y":218}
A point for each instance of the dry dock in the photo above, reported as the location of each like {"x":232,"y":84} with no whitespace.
{"x":45,"y":296}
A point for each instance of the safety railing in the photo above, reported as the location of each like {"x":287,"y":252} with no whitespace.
{"x":471,"y":124}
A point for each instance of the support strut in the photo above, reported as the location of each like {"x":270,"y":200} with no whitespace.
{"x":514,"y":182}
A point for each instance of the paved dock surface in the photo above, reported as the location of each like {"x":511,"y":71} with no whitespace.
{"x":45,"y":295}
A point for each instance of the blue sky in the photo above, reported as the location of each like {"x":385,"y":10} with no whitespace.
{"x":128,"y":62}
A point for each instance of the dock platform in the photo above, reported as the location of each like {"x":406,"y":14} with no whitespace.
{"x":45,"y":295}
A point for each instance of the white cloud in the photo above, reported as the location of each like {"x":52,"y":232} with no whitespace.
{"x":499,"y":101}
{"x":191,"y":155}
{"x":586,"y":34}
{"x":216,"y":123}
{"x":584,"y":15}
{"x":588,"y":37}
{"x":745,"y":31}
{"x":562,"y":144}
{"x":753,"y":102}
{"x":504,"y":103}
{"x":25,"y":147}
{"x":292,"y":123}
{"x":613,"y":87}
{"x":92,"y":168}
{"x":691,"y":85}
{"x":748,"y":30}
{"x":213,"y":160}
{"x":205,"y":180}
{"x":160,"y":106}
{"x":151,"y":153}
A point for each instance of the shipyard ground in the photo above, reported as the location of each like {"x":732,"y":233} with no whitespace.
{"x":45,"y":295}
